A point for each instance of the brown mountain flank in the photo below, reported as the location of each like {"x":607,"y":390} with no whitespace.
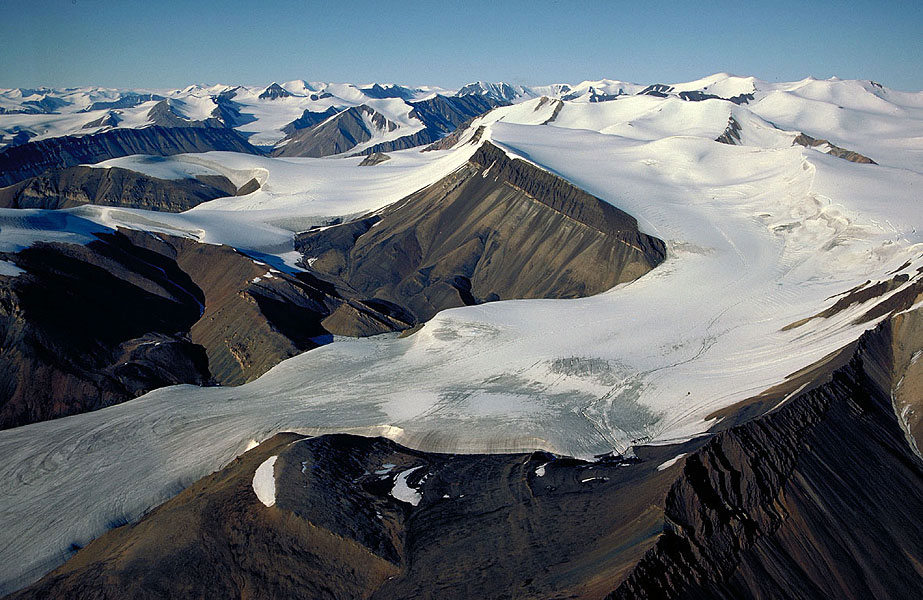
{"x":497,"y":228}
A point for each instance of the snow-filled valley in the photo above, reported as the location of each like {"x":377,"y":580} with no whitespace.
{"x":760,"y":235}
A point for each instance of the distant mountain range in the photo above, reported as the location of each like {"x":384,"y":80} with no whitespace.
{"x":298,"y":118}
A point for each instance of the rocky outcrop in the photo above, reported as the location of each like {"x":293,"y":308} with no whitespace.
{"x":336,"y":135}
{"x":497,"y":228}
{"x":731,"y":135}
{"x":89,"y":326}
{"x":882,"y":302}
{"x":444,"y":117}
{"x":309,"y":119}
{"x":321,"y":134}
{"x":228,"y":112}
{"x":163,"y":115}
{"x":783,"y":506}
{"x":376,"y":158}
{"x":698,"y":96}
{"x":46,"y":105}
{"x":377,"y":90}
{"x":75,"y":186}
{"x":807,"y":141}
{"x":249,"y":187}
{"x":110,"y":119}
{"x":129,"y":100}
{"x":657,"y":89}
{"x":420,"y":138}
{"x":445,"y":114}
{"x":34,"y":158}
{"x":274,"y":92}
{"x":496,"y":92}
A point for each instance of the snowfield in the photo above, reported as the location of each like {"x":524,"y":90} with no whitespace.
{"x":264,"y":481}
{"x":759,"y":236}
{"x":402,"y":491}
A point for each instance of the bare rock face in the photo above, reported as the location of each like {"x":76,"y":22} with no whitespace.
{"x":309,"y":119}
{"x":807,"y":141}
{"x":731,"y":135}
{"x":110,"y":119}
{"x":274,"y":92}
{"x":323,"y":134}
{"x":163,"y":115}
{"x":89,"y":326}
{"x":336,"y":135}
{"x":34,"y":158}
{"x":376,"y":158}
{"x":75,"y":186}
{"x":497,"y":228}
{"x":818,"y":499}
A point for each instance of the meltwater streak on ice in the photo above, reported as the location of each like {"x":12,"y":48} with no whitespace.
{"x":757,"y":239}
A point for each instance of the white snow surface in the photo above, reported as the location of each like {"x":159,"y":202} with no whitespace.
{"x":173,"y":167}
{"x":759,"y":236}
{"x":669,"y":463}
{"x":404,"y":492}
{"x":9,"y":269}
{"x":264,"y":481}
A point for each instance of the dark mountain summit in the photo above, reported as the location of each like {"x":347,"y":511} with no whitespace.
{"x":274,"y":92}
{"x":497,"y":228}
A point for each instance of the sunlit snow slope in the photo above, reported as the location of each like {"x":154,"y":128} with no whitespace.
{"x":760,"y":235}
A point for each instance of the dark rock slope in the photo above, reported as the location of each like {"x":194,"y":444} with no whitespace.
{"x":74,"y":186}
{"x":89,"y":326}
{"x":819,"y":498}
{"x":807,"y":141}
{"x":483,"y":527}
{"x":34,"y":158}
{"x":322,"y":134}
{"x":163,"y":115}
{"x":336,"y":135}
{"x":497,"y":228}
{"x":274,"y":92}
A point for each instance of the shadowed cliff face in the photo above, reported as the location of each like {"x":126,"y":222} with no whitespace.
{"x":74,"y":186}
{"x":89,"y":326}
{"x":34,"y":158}
{"x":338,"y":134}
{"x":819,"y":498}
{"x":331,"y":132}
{"x":497,"y":228}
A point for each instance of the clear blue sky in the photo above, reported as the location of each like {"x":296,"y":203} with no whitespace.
{"x":152,"y":43}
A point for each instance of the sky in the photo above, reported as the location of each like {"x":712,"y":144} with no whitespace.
{"x":172,"y":43}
